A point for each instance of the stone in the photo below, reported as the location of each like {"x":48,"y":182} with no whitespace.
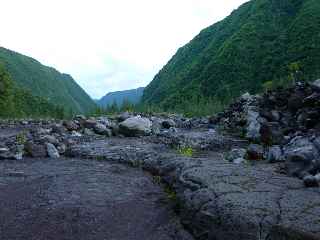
{"x":271,"y":133}
{"x":253,"y":125}
{"x":52,"y":151}
{"x":255,"y":152}
{"x":36,"y":150}
{"x":316,"y":85}
{"x":168,"y":123}
{"x":311,"y":181}
{"x":62,"y":148}
{"x":135,"y":126}
{"x":301,"y":156}
{"x":90,"y":123}
{"x":76,"y":134}
{"x":88,"y":132}
{"x":59,"y":129}
{"x":50,"y":139}
{"x":71,"y":125}
{"x":236,"y":155}
{"x":102,"y":130}
{"x":124,"y":116}
{"x":5,"y":153}
{"x":275,"y":154}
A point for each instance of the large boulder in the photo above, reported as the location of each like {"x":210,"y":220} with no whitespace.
{"x":302,"y":157}
{"x":253,"y":124}
{"x":135,"y":126}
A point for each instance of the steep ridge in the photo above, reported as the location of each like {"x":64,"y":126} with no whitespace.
{"x":263,"y":42}
{"x":46,"y":82}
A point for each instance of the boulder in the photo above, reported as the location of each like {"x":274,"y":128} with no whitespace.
{"x":135,"y":126}
{"x":312,"y":181}
{"x":275,"y":154}
{"x":52,"y":151}
{"x":124,"y":116}
{"x":71,"y":125}
{"x":102,"y":130}
{"x":253,"y":125}
{"x":36,"y":150}
{"x":168,"y":123}
{"x":236,"y":155}
{"x":255,"y":152}
{"x":301,"y":157}
{"x":316,"y":85}
{"x":271,"y":133}
{"x":90,"y":123}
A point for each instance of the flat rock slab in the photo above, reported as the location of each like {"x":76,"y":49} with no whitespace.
{"x":82,"y":199}
{"x":220,"y":200}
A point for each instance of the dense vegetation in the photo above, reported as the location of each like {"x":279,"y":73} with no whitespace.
{"x":264,"y":43}
{"x":19,"y":103}
{"x":132,"y":96}
{"x":45,"y":82}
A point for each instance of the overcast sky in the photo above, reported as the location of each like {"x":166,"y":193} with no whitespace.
{"x":106,"y":45}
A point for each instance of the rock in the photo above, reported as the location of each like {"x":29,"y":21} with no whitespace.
{"x":246,"y":97}
{"x":90,"y":123}
{"x":50,"y":139}
{"x":255,"y":152}
{"x":316,"y":85}
{"x":102,"y":130}
{"x":135,"y":126}
{"x":5,"y":153}
{"x":276,"y":116}
{"x":124,"y":116}
{"x":88,"y":132}
{"x":275,"y":154}
{"x":156,"y":127}
{"x":59,"y":129}
{"x":301,"y":157}
{"x":80,"y":118}
{"x":169,"y":123}
{"x":71,"y":125}
{"x":76,"y":134}
{"x":271,"y":133}
{"x":253,"y":125}
{"x":52,"y":151}
{"x":311,"y":181}
{"x":36,"y":150}
{"x":62,"y":148}
{"x":237,"y":155}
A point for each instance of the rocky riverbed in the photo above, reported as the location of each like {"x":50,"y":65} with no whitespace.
{"x":231,"y":176}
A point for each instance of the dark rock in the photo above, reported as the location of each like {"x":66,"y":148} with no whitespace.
{"x":71,"y":125}
{"x":255,"y":152}
{"x":311,"y":181}
{"x":90,"y":123}
{"x":271,"y":133}
{"x":36,"y":150}
{"x":168,"y":123}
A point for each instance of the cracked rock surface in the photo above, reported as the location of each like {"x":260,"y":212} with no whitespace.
{"x":217,"y":199}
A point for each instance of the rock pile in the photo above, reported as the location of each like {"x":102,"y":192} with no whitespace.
{"x":285,"y":125}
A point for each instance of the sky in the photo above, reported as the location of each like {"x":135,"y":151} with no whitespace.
{"x":107,"y":45}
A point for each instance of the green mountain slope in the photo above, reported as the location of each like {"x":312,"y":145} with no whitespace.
{"x":261,"y":43}
{"x":46,"y":82}
{"x":132,"y":96}
{"x":16,"y":102}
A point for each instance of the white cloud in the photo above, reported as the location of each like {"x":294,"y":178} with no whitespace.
{"x":106,"y":45}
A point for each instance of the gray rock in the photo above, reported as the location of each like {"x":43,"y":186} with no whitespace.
{"x":88,"y":132}
{"x":316,"y":85}
{"x":90,"y":123}
{"x":102,"y":130}
{"x":52,"y":151}
{"x":236,"y":155}
{"x":168,"y":123}
{"x":124,"y":116}
{"x":275,"y":154}
{"x":5,"y":153}
{"x":50,"y":139}
{"x":135,"y":126}
{"x":76,"y":134}
{"x":253,"y":125}
{"x":71,"y":125}
{"x":36,"y":150}
{"x":311,"y":181}
{"x":255,"y":152}
{"x":301,"y":156}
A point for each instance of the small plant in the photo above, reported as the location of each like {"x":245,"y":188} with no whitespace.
{"x":186,"y":151}
{"x":170,"y":193}
{"x":21,"y":138}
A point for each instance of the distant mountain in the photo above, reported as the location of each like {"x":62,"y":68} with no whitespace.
{"x":133,"y":96}
{"x":46,"y":82}
{"x":262,"y":43}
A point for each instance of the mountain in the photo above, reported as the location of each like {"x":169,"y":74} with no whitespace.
{"x":133,"y":96}
{"x":46,"y":82}
{"x":16,"y":102}
{"x":262,"y":43}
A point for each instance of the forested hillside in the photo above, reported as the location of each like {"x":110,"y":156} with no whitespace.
{"x":262,"y":44}
{"x":46,"y":82}
{"x":18,"y":103}
{"x":132,"y":96}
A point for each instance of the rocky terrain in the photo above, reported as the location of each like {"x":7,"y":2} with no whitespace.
{"x":251,"y":172}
